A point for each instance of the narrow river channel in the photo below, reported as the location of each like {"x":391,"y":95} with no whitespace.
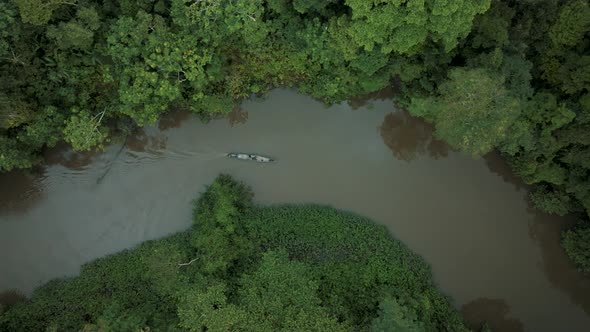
{"x":490,"y":251}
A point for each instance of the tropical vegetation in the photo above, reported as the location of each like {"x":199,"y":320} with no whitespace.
{"x":506,"y":75}
{"x":244,"y":267}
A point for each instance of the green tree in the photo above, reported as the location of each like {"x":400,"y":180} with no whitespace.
{"x":565,"y":62}
{"x":394,"y":317}
{"x":14,"y":156}
{"x":220,"y":236}
{"x":38,"y":12}
{"x":208,"y":310}
{"x":404,"y":27}
{"x":535,"y":150}
{"x":78,"y":33}
{"x":472,"y":110}
{"x":85,"y":131}
{"x":43,"y":130}
{"x":576,"y":243}
{"x":551,"y":200}
{"x":280,"y":295}
{"x":572,"y":24}
{"x":14,"y":112}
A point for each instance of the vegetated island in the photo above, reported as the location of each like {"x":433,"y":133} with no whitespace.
{"x":244,"y":267}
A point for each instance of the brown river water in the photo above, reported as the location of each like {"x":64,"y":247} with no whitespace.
{"x":497,"y":258}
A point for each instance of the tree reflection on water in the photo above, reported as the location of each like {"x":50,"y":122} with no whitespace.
{"x":408,"y":137}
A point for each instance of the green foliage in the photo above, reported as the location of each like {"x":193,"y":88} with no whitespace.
{"x":395,"y":317}
{"x":492,"y":29}
{"x":565,"y":62}
{"x":472,"y":111}
{"x":220,"y":238}
{"x":145,"y":58}
{"x":551,"y":201}
{"x":84,"y":131}
{"x":207,"y":309}
{"x":353,"y":272}
{"x":120,"y":292}
{"x":139,"y":59}
{"x":282,"y":295}
{"x":8,"y":23}
{"x":11,"y":156}
{"x":576,"y":243}
{"x":533,"y":145}
{"x":511,"y":75}
{"x":78,"y":33}
{"x":44,"y":129}
{"x":13,"y":112}
{"x":541,"y":50}
{"x":572,"y":24}
{"x":404,"y":27}
{"x":309,"y":268}
{"x":38,"y":12}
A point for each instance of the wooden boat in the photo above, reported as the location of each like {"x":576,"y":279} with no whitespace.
{"x":250,"y":156}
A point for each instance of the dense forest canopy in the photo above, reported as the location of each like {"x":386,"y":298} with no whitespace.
{"x":243,"y":267}
{"x":510,"y":75}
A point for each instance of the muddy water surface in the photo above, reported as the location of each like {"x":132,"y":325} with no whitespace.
{"x":498,"y":259}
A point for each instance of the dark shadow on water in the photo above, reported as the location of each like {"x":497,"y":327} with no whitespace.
{"x":495,"y":311}
{"x":237,"y":116}
{"x":11,"y":297}
{"x":20,"y":190}
{"x":62,"y":154}
{"x":173,"y":119}
{"x":408,"y":137}
{"x":546,"y":230}
{"x":386,"y":93}
{"x":141,"y":141}
{"x":499,"y":166}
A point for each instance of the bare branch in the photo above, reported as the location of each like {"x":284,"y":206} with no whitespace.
{"x":189,"y":263}
{"x":67,"y":3}
{"x":15,"y":59}
{"x":95,"y":129}
{"x":252,"y":18}
{"x":181,"y":78}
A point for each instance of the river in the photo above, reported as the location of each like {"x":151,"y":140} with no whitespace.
{"x":490,"y":251}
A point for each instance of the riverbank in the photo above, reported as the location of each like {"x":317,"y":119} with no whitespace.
{"x":469,"y":218}
{"x":246,"y":267}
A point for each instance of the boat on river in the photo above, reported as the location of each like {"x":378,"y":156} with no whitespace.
{"x":251,"y":157}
